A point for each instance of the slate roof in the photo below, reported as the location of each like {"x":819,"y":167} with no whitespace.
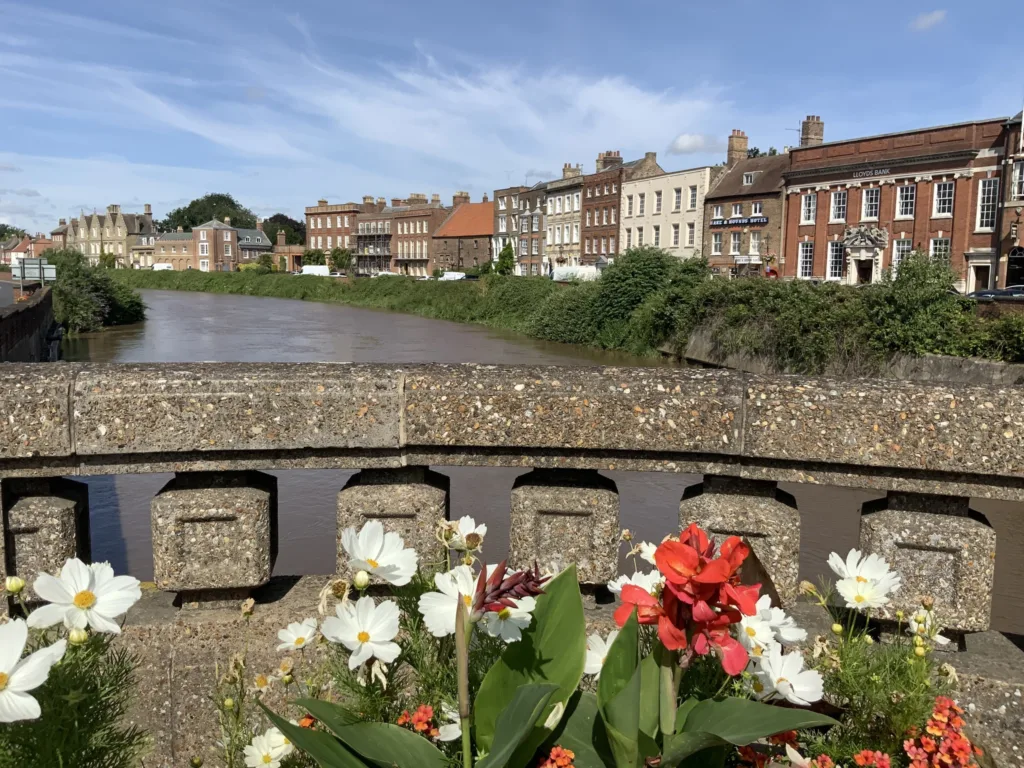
{"x":256,"y":237}
{"x":469,"y":220}
{"x":213,"y":224}
{"x":767,"y":170}
{"x":174,"y":236}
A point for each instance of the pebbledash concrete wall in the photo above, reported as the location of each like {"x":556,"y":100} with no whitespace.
{"x":928,"y":447}
{"x":25,"y":330}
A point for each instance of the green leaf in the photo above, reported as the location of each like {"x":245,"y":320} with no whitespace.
{"x":322,"y":747}
{"x":390,"y":745}
{"x":334,"y":716}
{"x":618,"y":694}
{"x":620,"y":663}
{"x":683,"y":711}
{"x":516,"y":722}
{"x":552,"y":650}
{"x":582,"y":731}
{"x":650,"y":699}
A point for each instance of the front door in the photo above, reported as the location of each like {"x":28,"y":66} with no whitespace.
{"x":865,"y":268}
{"x":982,"y":276}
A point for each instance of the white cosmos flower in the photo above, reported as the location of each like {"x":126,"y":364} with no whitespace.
{"x":438,"y":608}
{"x":509,"y":622}
{"x":597,"y":651}
{"x":861,"y":595}
{"x":452,"y":730}
{"x":382,"y":554}
{"x":756,"y":634}
{"x":783,"y":627}
{"x":84,"y":595}
{"x":784,"y":677}
{"x":260,"y":753}
{"x":366,"y":629}
{"x":279,"y":743}
{"x":467,"y":536}
{"x":649,"y":582}
{"x":647,"y":551}
{"x":18,"y":676}
{"x":862,"y":569}
{"x":920,"y":625}
{"x":297,"y":635}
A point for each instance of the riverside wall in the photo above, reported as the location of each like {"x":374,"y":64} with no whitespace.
{"x":26,"y":328}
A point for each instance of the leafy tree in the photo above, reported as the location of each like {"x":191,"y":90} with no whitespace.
{"x":437,"y":272}
{"x":295,"y":231}
{"x":88,"y":298}
{"x":506,"y":260}
{"x":754,"y":152}
{"x":266,"y":262}
{"x":341,"y":259}
{"x":7,"y":231}
{"x":108,"y":260}
{"x":282,"y":264}
{"x":314,"y":256}
{"x":772,"y":151}
{"x":214,"y":206}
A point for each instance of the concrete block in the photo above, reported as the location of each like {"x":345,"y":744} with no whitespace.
{"x":215,"y":534}
{"x":46,"y":522}
{"x":410,"y":501}
{"x":941,"y":549}
{"x":35,"y":410}
{"x":561,"y":517}
{"x":764,"y":516}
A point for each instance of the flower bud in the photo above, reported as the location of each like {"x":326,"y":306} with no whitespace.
{"x":248,"y":606}
{"x":808,"y":588}
{"x":229,"y":703}
{"x":837,"y":629}
{"x":869,"y":639}
{"x":196,"y":762}
{"x":287,"y":679}
{"x":899,"y":614}
{"x":626,"y":535}
{"x":78,"y":636}
{"x":918,"y":642}
{"x":361,"y":580}
{"x":14,"y":584}
{"x":919,"y":651}
{"x":927,"y":602}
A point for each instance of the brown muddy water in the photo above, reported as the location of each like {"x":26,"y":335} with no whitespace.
{"x":200,"y":327}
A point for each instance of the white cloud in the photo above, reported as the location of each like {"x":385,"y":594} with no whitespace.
{"x":20,"y":192}
{"x":5,"y":168}
{"x":691,"y":143}
{"x":928,"y":20}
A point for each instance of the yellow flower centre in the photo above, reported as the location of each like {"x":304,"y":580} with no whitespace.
{"x":780,"y":681}
{"x":858,"y":598}
{"x":751,"y":631}
{"x":3,"y":680}
{"x":261,"y":681}
{"x":757,"y":650}
{"x":861,"y":580}
{"x":373,"y":563}
{"x":473,"y":541}
{"x":363,"y":637}
{"x":85,"y":600}
{"x":468,"y":600}
{"x":267,"y":759}
{"x":758,"y":688}
{"x":504,"y":613}
{"x":299,"y":642}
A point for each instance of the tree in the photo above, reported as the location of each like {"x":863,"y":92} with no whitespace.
{"x":282,"y":264}
{"x":266,"y":262}
{"x":772,"y":151}
{"x":314,"y":256}
{"x":295,"y":231}
{"x":214,"y":206}
{"x":341,"y":259}
{"x":753,"y":152}
{"x":108,"y":260}
{"x":506,"y":260}
{"x":7,"y":231}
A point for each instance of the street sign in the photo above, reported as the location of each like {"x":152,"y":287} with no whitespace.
{"x":32,"y":270}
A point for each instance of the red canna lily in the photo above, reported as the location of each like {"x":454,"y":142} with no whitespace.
{"x":649,"y":610}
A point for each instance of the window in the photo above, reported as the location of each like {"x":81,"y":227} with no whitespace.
{"x":639,"y":237}
{"x":691,"y":234}
{"x":588,"y":218}
{"x":657,"y":235}
{"x":716,"y":243}
{"x":940,"y":249}
{"x":716,"y":212}
{"x":524,"y":225}
{"x":204,"y":265}
{"x":808,"y":209}
{"x":734,"y":242}
{"x":943,"y":203}
{"x":748,"y":179}
{"x":328,"y":241}
{"x":227,"y":237}
{"x":586,"y":246}
{"x":590,"y":191}
{"x":675,"y":235}
{"x":604,"y":216}
{"x":551,"y":206}
{"x":629,"y":238}
{"x":535,"y":247}
{"x":629,"y":205}
{"x":576,"y":201}
{"x":522,"y":247}
{"x":614,"y":208}
{"x":575,"y":233}
{"x":319,"y":241}
{"x":838,"y":206}
{"x":202,"y":234}
{"x":329,"y":244}
{"x":611,"y":245}
{"x":502,"y":223}
{"x":1018,"y":180}
{"x":606,"y":187}
{"x":870,"y":203}
{"x":757,"y":209}
{"x":806,"y":260}
{"x":536,"y":222}
{"x":515,"y":201}
{"x":641,"y":200}
{"x":657,"y":201}
{"x":502,"y":203}
{"x":550,"y":238}
{"x":566,"y":232}
{"x":900,"y":250}
{"x":346,"y":221}
{"x":906,"y":196}
{"x":558,"y":205}
{"x":604,"y":244}
{"x":615,"y":187}
{"x":227,"y":249}
{"x":835,"y":260}
{"x":737,"y":210}
{"x":755,"y":243}
{"x":693,"y":199}
{"x":988,"y":195}
{"x":597,"y":193}
{"x":677,"y":200}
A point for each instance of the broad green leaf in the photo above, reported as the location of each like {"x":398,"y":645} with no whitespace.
{"x":322,"y":747}
{"x":620,"y":663}
{"x":618,"y":694}
{"x":650,"y":700}
{"x":516,"y":722}
{"x":582,"y":731}
{"x":683,"y":711}
{"x":387,"y":744}
{"x":681,"y":746}
{"x":552,"y":650}
{"x":334,"y":716}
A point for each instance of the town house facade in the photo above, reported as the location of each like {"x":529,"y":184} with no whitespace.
{"x":115,"y":232}
{"x":211,"y":247}
{"x":506,"y":218}
{"x":858,"y":207}
{"x":413,"y":227}
{"x":563,"y":217}
{"x":673,"y":211}
{"x":1011,"y":229}
{"x":330,"y":226}
{"x":531,"y":258}
{"x":465,"y":238}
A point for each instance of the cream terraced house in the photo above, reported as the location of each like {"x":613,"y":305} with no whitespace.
{"x":564,"y":217}
{"x":129,"y":236}
{"x":666,"y":211}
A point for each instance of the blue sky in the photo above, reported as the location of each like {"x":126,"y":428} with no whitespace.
{"x":283,"y":103}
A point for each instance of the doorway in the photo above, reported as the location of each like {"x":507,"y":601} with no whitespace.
{"x":982,"y":274}
{"x":865,"y":270}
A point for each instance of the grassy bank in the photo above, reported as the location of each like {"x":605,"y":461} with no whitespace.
{"x":649,"y":299}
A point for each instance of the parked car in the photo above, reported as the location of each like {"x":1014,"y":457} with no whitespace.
{"x":385,"y":273}
{"x":162,"y":267}
{"x":998,"y":293}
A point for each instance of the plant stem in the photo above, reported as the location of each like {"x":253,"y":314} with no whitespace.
{"x":669,"y":676}
{"x":463,"y":628}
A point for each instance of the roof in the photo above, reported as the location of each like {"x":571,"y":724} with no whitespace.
{"x":58,"y":230}
{"x":213,"y":224}
{"x":768,"y":170}
{"x":256,"y":236}
{"x":175,"y":236}
{"x":904,"y":133}
{"x":6,"y":245}
{"x":469,"y":220}
{"x":1016,"y":118}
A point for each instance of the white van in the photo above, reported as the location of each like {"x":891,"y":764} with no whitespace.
{"x":162,"y":267}
{"x":321,"y":270}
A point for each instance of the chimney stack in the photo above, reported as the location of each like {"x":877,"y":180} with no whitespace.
{"x":112,"y":209}
{"x":417,"y":198}
{"x":485,"y":198}
{"x":367,"y":200}
{"x":180,"y":229}
{"x":607,"y":160}
{"x":459,"y":198}
{"x":812,"y":131}
{"x":396,"y":202}
{"x":435,"y":198}
{"x":324,"y":202}
{"x":280,"y":237}
{"x":381,"y":202}
{"x":62,"y":222}
{"x":652,"y":156}
{"x":570,"y":171}
{"x":227,"y":220}
{"x":147,"y":209}
{"x":259,"y":225}
{"x":737,"y":148}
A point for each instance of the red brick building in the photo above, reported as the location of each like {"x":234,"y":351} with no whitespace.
{"x":602,"y":204}
{"x":414,"y":223}
{"x":333,"y":225}
{"x":857,"y":207}
{"x":465,"y":238}
{"x":1011,"y":229}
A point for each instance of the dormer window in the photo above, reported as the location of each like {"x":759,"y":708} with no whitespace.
{"x":748,"y":179}
{"x":202,"y":234}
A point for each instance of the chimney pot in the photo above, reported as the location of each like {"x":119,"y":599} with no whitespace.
{"x":227,"y":220}
{"x":147,"y":209}
{"x":812,"y":131}
{"x":321,"y":202}
{"x":280,"y":237}
{"x":737,"y":149}
{"x":62,"y":222}
{"x":435,"y":198}
{"x":485,"y":197}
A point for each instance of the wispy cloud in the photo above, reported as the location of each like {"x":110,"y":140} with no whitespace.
{"x":21,"y":192}
{"x":5,"y":168}
{"x":692,"y":143}
{"x":928,"y":20}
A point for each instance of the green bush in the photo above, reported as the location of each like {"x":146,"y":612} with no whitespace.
{"x":88,"y":298}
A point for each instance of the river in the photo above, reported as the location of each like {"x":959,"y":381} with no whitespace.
{"x":194,"y":327}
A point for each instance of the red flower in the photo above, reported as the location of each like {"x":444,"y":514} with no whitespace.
{"x":421,"y":718}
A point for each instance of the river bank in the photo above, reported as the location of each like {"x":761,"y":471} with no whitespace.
{"x":648,"y":303}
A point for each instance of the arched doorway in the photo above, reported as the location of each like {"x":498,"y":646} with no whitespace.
{"x":1015,"y":267}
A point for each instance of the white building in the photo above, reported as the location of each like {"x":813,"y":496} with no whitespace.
{"x":666,"y":211}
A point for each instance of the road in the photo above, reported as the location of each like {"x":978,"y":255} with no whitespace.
{"x":6,"y":293}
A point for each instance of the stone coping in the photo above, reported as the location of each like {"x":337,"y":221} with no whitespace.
{"x":72,"y":418}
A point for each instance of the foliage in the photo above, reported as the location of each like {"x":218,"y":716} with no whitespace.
{"x":340,"y":259}
{"x":282,"y":264}
{"x":84,"y":702}
{"x":107,"y":260}
{"x":506,"y":260}
{"x":211,"y":207}
{"x":7,"y":231}
{"x":266,"y":262}
{"x":295,"y":231}
{"x":314,"y":257}
{"x":88,"y":298}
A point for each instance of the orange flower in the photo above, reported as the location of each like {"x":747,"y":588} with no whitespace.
{"x":421,"y":718}
{"x":403,"y":718}
{"x":307,"y":721}
{"x":558,"y":758}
